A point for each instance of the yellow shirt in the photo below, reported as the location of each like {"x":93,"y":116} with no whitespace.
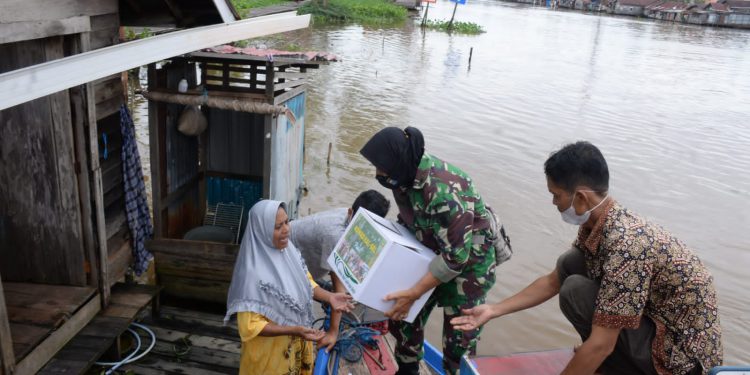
{"x":272,"y":355}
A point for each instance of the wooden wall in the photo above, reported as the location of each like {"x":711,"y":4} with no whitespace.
{"x":119,"y":247}
{"x":40,"y":223}
{"x":42,"y":227}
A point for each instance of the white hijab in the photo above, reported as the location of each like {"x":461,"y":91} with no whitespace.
{"x":266,"y":280}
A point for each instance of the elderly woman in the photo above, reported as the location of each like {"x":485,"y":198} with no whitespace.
{"x":272,"y":293}
{"x":439,"y":204}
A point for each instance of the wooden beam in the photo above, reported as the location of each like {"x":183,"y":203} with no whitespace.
{"x":80,"y":117}
{"x":22,"y":85}
{"x":195,"y":249}
{"x":47,"y":349}
{"x":291,"y":75}
{"x":96,"y":182}
{"x":38,"y":10}
{"x":289,"y":94}
{"x":18,"y":31}
{"x":269,"y":81}
{"x":245,"y":59}
{"x":155,"y":146}
{"x":289,"y":84}
{"x":7,"y":359}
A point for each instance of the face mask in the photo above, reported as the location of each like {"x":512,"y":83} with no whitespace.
{"x":387,"y":182}
{"x":569,"y":216}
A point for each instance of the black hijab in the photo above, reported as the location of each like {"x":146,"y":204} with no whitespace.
{"x":396,"y":152}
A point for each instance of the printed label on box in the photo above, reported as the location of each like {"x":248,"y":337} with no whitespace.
{"x":359,"y":249}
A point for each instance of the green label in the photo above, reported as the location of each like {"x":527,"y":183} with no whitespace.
{"x":360,"y":248}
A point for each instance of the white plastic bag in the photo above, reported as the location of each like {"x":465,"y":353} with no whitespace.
{"x":192,"y":122}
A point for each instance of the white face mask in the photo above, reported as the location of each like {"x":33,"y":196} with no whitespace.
{"x":569,"y":216}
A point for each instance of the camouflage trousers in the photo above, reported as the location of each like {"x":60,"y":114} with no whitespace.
{"x":410,"y":336}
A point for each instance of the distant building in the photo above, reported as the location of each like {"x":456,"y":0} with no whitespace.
{"x":666,"y":11}
{"x":632,"y":7}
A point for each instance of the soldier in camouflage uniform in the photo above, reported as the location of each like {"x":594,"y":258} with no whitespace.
{"x":439,"y":204}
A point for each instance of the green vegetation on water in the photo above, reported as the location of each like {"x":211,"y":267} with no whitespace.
{"x":456,"y":27}
{"x":243,"y":6}
{"x":367,"y":12}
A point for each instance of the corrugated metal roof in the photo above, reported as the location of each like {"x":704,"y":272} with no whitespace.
{"x":719,"y":7}
{"x":669,"y":5}
{"x":737,"y":3}
{"x":640,"y":3}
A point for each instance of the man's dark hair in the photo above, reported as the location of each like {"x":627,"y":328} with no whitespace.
{"x":577,"y":164}
{"x":373,"y":202}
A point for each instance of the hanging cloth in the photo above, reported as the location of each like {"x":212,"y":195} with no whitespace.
{"x":136,"y":203}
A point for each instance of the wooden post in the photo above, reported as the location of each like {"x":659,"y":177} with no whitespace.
{"x":80,"y":117}
{"x":269,"y":81}
{"x":450,"y":24}
{"x":328,"y":160}
{"x":98,"y":191}
{"x":7,"y":358}
{"x":424,"y":19}
{"x":155,"y":146}
{"x":268,"y":125}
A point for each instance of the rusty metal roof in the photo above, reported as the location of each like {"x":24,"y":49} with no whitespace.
{"x":668,"y":6}
{"x":270,"y":54}
{"x":640,"y":3}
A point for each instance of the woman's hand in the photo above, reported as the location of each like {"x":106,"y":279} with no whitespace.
{"x":329,"y":340}
{"x":404,"y":299}
{"x":310,"y":334}
{"x":341,"y":302}
{"x":472,"y":318}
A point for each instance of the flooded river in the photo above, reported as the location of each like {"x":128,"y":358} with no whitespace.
{"x":668,"y":104}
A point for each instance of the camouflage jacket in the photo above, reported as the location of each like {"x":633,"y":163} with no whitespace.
{"x":447,"y":215}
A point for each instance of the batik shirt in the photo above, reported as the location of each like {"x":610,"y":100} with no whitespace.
{"x":645,"y":270}
{"x":447,"y":215}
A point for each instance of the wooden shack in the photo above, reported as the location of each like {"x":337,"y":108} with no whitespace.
{"x":62,"y":233}
{"x":252,"y":149}
{"x":64,"y":238}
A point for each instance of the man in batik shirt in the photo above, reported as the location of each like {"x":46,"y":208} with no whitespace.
{"x":642,"y":302}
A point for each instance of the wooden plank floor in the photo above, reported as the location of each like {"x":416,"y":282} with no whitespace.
{"x":193,"y":342}
{"x":80,"y":353}
{"x":190,"y":342}
{"x":35,"y":310}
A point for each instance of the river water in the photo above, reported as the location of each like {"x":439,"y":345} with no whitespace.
{"x":668,"y":105}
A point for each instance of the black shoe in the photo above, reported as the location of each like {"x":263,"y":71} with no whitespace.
{"x":408,"y":368}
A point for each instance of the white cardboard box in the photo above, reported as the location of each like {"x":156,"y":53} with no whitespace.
{"x":376,"y":256}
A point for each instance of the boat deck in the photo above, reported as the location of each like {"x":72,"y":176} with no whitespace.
{"x":196,"y":342}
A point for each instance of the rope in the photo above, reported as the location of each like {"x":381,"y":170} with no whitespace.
{"x":353,"y":341}
{"x":229,"y":103}
{"x":355,"y":338}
